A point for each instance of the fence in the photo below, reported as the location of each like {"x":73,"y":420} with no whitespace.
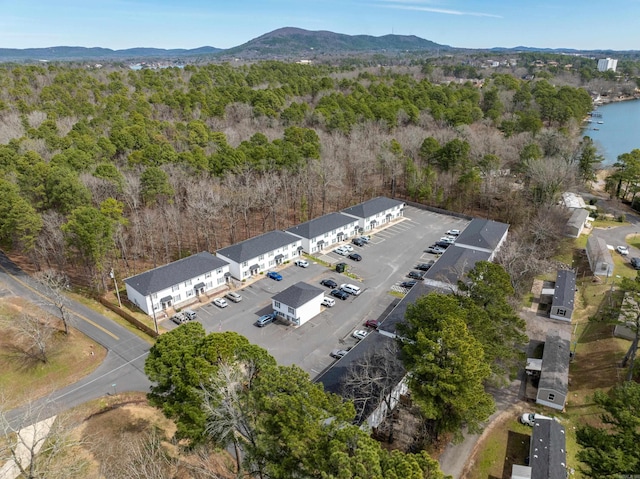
{"x":123,"y":314}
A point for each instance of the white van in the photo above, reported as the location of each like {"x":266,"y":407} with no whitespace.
{"x":350,"y":288}
{"x":328,"y":302}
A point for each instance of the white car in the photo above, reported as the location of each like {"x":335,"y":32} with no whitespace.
{"x":303,"y":263}
{"x":359,"y":334}
{"x":220,"y":302}
{"x":341,"y":251}
{"x":623,"y":250}
{"x":447,"y":239}
{"x":328,"y":302}
{"x":529,"y":418}
{"x":453,"y":232}
{"x":348,"y":247}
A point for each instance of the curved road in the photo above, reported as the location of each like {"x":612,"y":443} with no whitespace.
{"x":122,"y":369}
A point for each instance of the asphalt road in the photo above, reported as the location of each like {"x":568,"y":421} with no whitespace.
{"x":122,"y":367}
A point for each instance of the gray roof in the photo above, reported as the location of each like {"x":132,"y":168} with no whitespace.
{"x":481,"y":233}
{"x":453,"y":264}
{"x":555,"y":364}
{"x":396,"y":315}
{"x":164,"y":277}
{"x":372,"y":207}
{"x":565,"y":290}
{"x":298,"y":295}
{"x":578,"y":218}
{"x":254,"y":247}
{"x":321,"y":225}
{"x":548,"y":450}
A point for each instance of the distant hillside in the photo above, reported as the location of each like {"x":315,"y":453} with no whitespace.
{"x":296,"y":41}
{"x":82,"y":53}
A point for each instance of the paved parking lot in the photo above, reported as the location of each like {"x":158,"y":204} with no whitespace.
{"x":391,"y":254}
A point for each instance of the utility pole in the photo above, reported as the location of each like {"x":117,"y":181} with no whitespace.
{"x":113,"y":277}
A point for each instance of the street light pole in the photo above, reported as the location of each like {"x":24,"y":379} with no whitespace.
{"x":155,"y":321}
{"x":113,"y":277}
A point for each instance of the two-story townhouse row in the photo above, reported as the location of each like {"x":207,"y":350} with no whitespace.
{"x":256,"y":255}
{"x":375,"y":212}
{"x":177,"y":283}
{"x":325,"y":231}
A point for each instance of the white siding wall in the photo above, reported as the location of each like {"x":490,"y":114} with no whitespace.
{"x":302,"y":314}
{"x":266,"y":261}
{"x":330,"y":238}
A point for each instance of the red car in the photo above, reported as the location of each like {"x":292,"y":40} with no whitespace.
{"x":371,"y":323}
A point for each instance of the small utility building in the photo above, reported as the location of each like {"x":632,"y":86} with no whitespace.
{"x":298,"y":303}
{"x":564,"y":296}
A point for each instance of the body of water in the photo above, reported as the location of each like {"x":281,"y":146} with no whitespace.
{"x":616,"y":130}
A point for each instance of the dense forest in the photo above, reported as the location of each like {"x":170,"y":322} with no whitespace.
{"x":112,"y":167}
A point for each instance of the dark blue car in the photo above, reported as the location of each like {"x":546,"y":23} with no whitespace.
{"x":274,"y":275}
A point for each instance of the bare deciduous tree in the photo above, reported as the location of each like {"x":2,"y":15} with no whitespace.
{"x":34,"y":335}
{"x":54,"y":284}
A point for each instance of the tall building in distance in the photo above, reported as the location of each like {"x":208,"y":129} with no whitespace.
{"x":605,"y":64}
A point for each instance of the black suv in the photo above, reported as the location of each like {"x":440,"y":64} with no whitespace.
{"x":338,"y":293}
{"x":424,"y":266}
{"x":358,"y":241}
{"x":329,"y":283}
{"x":415,"y":274}
{"x":443,"y":244}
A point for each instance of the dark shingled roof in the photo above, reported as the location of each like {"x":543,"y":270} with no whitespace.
{"x":254,"y":247}
{"x":454,"y":263}
{"x":481,"y":233}
{"x":171,"y":274}
{"x":565,"y":290}
{"x":372,"y":207}
{"x":298,"y":295}
{"x":319,"y":226}
{"x":548,"y":450}
{"x":555,"y":364}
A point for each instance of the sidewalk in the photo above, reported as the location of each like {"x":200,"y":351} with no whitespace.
{"x":29,"y":441}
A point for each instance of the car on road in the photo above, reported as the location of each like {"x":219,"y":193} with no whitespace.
{"x":338,"y":293}
{"x":453,"y":232}
{"x":359,"y":334}
{"x":179,"y":318}
{"x":358,"y":241}
{"x":329,"y":283}
{"x":220,"y":302}
{"x":623,"y":250}
{"x":408,"y":284}
{"x":529,"y":418}
{"x":371,"y":323}
{"x":342,"y":251}
{"x":435,"y":249}
{"x":233,"y":296}
{"x":274,"y":275}
{"x":265,"y":319}
{"x":338,"y":353}
{"x":328,"y":302}
{"x":635,"y":262}
{"x":355,"y":257}
{"x":424,"y":266}
{"x":303,"y":263}
{"x":415,"y":274}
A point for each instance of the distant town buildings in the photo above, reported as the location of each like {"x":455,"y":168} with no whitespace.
{"x":605,"y":64}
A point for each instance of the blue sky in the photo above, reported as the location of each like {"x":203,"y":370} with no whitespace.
{"x":118,"y":24}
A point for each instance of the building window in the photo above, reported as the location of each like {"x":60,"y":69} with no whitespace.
{"x":261,"y":257}
{"x":155,"y":296}
{"x":208,"y":275}
{"x":551,"y":396}
{"x":175,"y":288}
{"x":220,"y":280}
{"x":271,"y":263}
{"x":291,"y":310}
{"x":270,"y":254}
{"x":561,"y":312}
{"x":326,"y":235}
{"x":245,"y":264}
{"x":276,"y":304}
{"x":176,"y":298}
{"x":209,"y":284}
{"x":189,"y":293}
{"x":219,"y":271}
{"x":187,"y":283}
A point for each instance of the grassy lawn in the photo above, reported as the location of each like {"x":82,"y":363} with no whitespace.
{"x":69,"y":359}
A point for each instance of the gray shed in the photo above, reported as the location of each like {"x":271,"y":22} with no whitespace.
{"x":563,"y":296}
{"x":554,"y":377}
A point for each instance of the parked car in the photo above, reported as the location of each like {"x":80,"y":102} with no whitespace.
{"x":265,"y":319}
{"x":453,"y":232}
{"x":358,"y":241}
{"x":355,"y":257}
{"x":351,"y":289}
{"x":190,"y":314}
{"x":338,"y":293}
{"x":341,"y":251}
{"x":338,"y":353}
{"x":179,"y":318}
{"x":365,"y":238}
{"x":443,"y":244}
{"x":435,"y":249}
{"x":347,"y":247}
{"x":274,"y":275}
{"x":424,"y":266}
{"x":220,"y":302}
{"x":303,"y":263}
{"x":447,"y":239}
{"x":329,"y":283}
{"x":415,"y":274}
{"x":233,"y":296}
{"x":635,"y":262}
{"x":408,"y":284}
{"x":529,"y":418}
{"x":623,"y":250}
{"x":328,"y":302}
{"x":359,"y":334}
{"x":371,"y":323}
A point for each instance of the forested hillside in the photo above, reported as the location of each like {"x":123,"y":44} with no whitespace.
{"x":112,"y":167}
